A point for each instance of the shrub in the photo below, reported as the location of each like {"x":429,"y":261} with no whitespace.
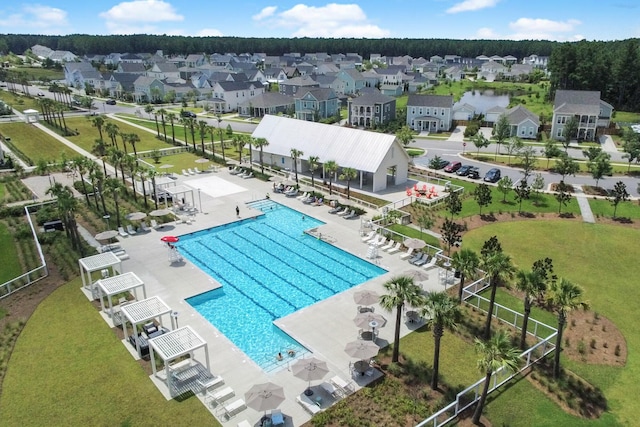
{"x":582,"y":348}
{"x":617,"y":350}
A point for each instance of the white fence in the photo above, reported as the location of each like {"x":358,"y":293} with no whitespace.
{"x":469,"y":396}
{"x":26,"y":279}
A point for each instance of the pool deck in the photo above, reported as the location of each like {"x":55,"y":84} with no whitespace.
{"x":324,"y":328}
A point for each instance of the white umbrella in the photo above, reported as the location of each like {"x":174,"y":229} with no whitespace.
{"x":416,"y":275}
{"x":344,"y":201}
{"x":160,"y":212}
{"x":362,"y":349}
{"x":262,"y":397}
{"x":365,"y":297}
{"x":415,"y":243}
{"x":109,"y":234}
{"x":363,"y":320}
{"x":308,"y":370}
{"x":136,"y":216}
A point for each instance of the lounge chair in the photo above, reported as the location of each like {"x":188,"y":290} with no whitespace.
{"x":318,"y":202}
{"x":247,"y":176}
{"x":369,"y":236}
{"x":293,"y":193}
{"x":343,"y":212}
{"x":395,"y":249}
{"x":196,"y":170}
{"x":211,"y":384}
{"x":220,"y":396}
{"x":422,"y":261}
{"x":331,"y":389}
{"x":185,"y":173}
{"x":308,"y":404}
{"x":236,"y":170}
{"x":432,"y":263}
{"x":388,"y":245}
{"x":407,"y":254}
{"x":244,"y":423}
{"x":375,"y":239}
{"x":335,"y":209}
{"x":382,"y":241}
{"x":144,"y":227}
{"x":309,"y":200}
{"x":155,"y":225}
{"x":234,"y":407}
{"x":131,"y":230}
{"x":304,"y":196}
{"x":191,"y":172}
{"x":351,"y":215}
{"x":344,"y":386}
{"x":122,"y":233}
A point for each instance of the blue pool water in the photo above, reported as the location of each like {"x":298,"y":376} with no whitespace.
{"x":268,"y":268}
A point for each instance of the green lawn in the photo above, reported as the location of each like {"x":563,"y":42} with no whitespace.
{"x":604,"y":208}
{"x":10,"y":262}
{"x":584,"y":254}
{"x":35,"y":144}
{"x":69,"y":368}
{"x":179,"y":162}
{"x":18,"y":101}
{"x":3,"y":191}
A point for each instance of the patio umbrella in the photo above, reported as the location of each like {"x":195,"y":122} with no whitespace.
{"x":288,"y":182}
{"x":415,"y":243}
{"x":416,"y":275}
{"x":202,"y":160}
{"x":365,"y":297}
{"x":362,"y":349}
{"x":346,"y":202}
{"x":136,"y":216}
{"x":109,"y":234}
{"x":262,"y":397}
{"x":160,"y":212}
{"x":364,"y":320}
{"x":308,"y":370}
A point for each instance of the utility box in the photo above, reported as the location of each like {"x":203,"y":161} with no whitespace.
{"x":53,"y":226}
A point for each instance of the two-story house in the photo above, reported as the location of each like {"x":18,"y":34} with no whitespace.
{"x":589,"y":110}
{"x":430,"y":113}
{"x":232,"y":94}
{"x":371,"y":109}
{"x":316,"y":104}
{"x":353,"y":81}
{"x":295,"y":85}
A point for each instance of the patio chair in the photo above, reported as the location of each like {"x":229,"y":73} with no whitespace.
{"x":395,"y":249}
{"x":422,"y":261}
{"x":185,"y":173}
{"x":330,"y":388}
{"x":407,"y":254}
{"x":293,"y":193}
{"x":249,"y":175}
{"x":308,"y":404}
{"x":388,"y":245}
{"x":343,"y":212}
{"x":351,"y":215}
{"x":131,"y":230}
{"x":122,"y":233}
{"x":220,"y":396}
{"x":382,"y":241}
{"x":431,"y":264}
{"x":335,"y":209}
{"x":191,"y":172}
{"x":369,"y":236}
{"x":318,"y":202}
{"x":304,"y":196}
{"x":244,"y":423}
{"x":155,"y":225}
{"x":144,"y":227}
{"x":196,"y":170}
{"x":242,"y":173}
{"x":234,"y":408}
{"x":277,"y":418}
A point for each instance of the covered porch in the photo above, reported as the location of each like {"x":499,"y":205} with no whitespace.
{"x":427,"y":123}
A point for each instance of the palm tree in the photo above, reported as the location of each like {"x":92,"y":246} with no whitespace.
{"x":347,"y":175}
{"x":441,"y":311}
{"x":499,"y":268}
{"x":133,"y":139}
{"x":132,"y":165}
{"x":295,"y":154}
{"x":162,"y":112}
{"x":466,"y":262}
{"x":212,"y":132}
{"x":142,"y":173}
{"x":115,"y":158}
{"x":530,"y":283}
{"x":314,"y":163}
{"x":100,"y":150}
{"x":202,"y":131}
{"x":113,"y":186}
{"x":261,"y":143}
{"x":67,"y":206}
{"x":495,"y":354}
{"x":151,"y":174}
{"x":93,"y":171}
{"x":112,"y":130}
{"x":172,"y":118}
{"x":401,"y":290}
{"x":239,"y":142}
{"x":98,"y":122}
{"x":148,"y":109}
{"x":330,"y":168}
{"x":249,"y":140}
{"x":80,"y":165}
{"x":564,"y":297}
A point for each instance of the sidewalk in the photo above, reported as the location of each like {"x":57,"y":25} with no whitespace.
{"x":583,"y":202}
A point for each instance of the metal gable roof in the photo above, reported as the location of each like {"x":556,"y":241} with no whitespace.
{"x":354,"y":148}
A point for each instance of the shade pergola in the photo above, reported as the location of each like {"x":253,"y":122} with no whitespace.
{"x":175,"y":344}
{"x":140,"y":312}
{"x":107,"y":262}
{"x":117,"y":284}
{"x":178,"y":192}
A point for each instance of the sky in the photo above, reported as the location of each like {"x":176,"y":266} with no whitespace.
{"x":558,"y":20}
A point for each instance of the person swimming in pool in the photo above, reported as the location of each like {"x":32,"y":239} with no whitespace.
{"x":279,"y":357}
{"x":291,"y":352}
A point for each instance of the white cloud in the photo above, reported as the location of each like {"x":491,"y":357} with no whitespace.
{"x":471,"y":5}
{"x":536,"y":29}
{"x":37,"y":19}
{"x":331,"y":20}
{"x":208,"y":32}
{"x":140,"y":16}
{"x":264,"y":13}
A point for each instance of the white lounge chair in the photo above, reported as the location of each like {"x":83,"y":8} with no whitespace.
{"x":343,"y":211}
{"x":236,"y":170}
{"x":369,"y":236}
{"x":375,"y":239}
{"x":351,"y":214}
{"x":155,"y":225}
{"x":293,"y":193}
{"x":304,"y":196}
{"x":122,"y":233}
{"x":432,"y":263}
{"x":388,"y":245}
{"x":185,"y":173}
{"x":335,"y":210}
{"x":131,"y":230}
{"x":407,"y":254}
{"x":344,"y":386}
{"x":308,"y":404}
{"x":381,"y":242}
{"x":196,"y":170}
{"x":144,"y":227}
{"x":247,"y":176}
{"x":191,"y":172}
{"x":234,"y":407}
{"x":217,"y":397}
{"x":395,"y":249}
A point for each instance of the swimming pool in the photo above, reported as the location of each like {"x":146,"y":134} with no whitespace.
{"x":269,"y":268}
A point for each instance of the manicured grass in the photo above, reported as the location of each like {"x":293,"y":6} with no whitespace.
{"x":179,"y":162}
{"x":88,"y":134}
{"x":412,"y":232}
{"x":506,"y":299}
{"x":10,"y":262}
{"x":34,"y":143}
{"x":3,"y":191}
{"x":18,"y":101}
{"x":626,"y":117}
{"x":604,"y":208}
{"x":598,"y":258}
{"x":68,"y":368}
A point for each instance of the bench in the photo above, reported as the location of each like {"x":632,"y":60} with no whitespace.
{"x":234,"y":407}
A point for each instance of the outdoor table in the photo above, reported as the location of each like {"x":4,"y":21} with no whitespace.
{"x":361,"y":366}
{"x":367,"y":335}
{"x":413,"y":316}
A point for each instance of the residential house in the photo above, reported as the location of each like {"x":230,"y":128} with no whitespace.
{"x":463,"y":111}
{"x":371,"y":109}
{"x":431,"y":113}
{"x":121,"y":84}
{"x":61,"y":56}
{"x":131,"y":67}
{"x":267,"y":103}
{"x":42,"y":52}
{"x":389,"y":76}
{"x":391,"y":90}
{"x":232,"y":94}
{"x":492,"y":114}
{"x":454,"y":73}
{"x":386,"y":162}
{"x":524,"y":124}
{"x":79,"y":74}
{"x":294,"y":85}
{"x":148,"y":89}
{"x":316,"y":104}
{"x":164,"y":70}
{"x":353,"y":81}
{"x":586,"y":106}
{"x":493,"y":67}
{"x":195,"y":60}
{"x":274,"y":75}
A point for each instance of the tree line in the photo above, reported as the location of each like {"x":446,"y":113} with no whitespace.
{"x":82,"y":44}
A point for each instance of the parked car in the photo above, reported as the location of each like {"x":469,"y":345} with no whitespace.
{"x":40,"y":94}
{"x":493,"y":175}
{"x":185,"y":113}
{"x":453,"y":166}
{"x":441,"y":164}
{"x":464,"y":170}
{"x":110,"y":102}
{"x":474,"y":172}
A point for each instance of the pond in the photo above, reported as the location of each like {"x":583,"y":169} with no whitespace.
{"x":482,"y":101}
